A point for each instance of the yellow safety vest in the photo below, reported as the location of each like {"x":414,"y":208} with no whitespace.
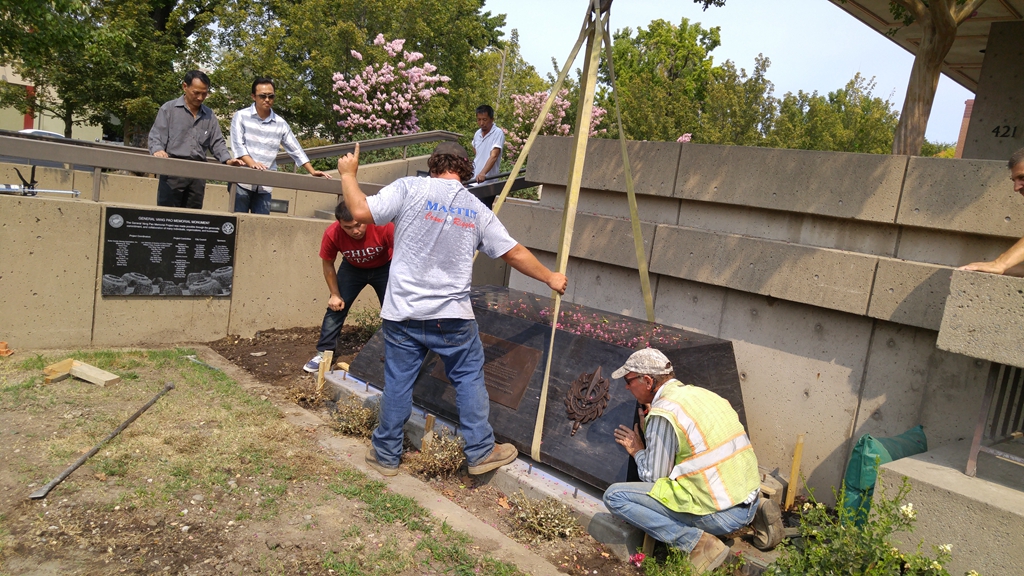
{"x":715,"y":467}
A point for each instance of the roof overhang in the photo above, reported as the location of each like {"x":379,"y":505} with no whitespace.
{"x":963,"y":63}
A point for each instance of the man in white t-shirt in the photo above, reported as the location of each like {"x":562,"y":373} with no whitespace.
{"x":488,"y":143}
{"x":439,"y":226}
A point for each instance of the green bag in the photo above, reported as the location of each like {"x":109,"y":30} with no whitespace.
{"x":868,"y":454}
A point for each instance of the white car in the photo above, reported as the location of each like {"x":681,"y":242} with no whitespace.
{"x":34,"y":132}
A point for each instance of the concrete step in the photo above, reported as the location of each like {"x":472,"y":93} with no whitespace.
{"x":981,"y":517}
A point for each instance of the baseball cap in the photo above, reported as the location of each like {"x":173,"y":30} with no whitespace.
{"x":450,"y":148}
{"x":647,"y":361}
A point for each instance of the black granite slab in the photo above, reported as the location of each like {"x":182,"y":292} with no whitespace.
{"x":587,"y":338}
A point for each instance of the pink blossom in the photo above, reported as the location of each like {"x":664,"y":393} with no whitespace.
{"x":384,"y":97}
{"x":526,"y":108}
{"x":685,"y":137}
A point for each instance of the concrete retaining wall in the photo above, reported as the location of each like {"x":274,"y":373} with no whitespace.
{"x":50,"y":267}
{"x":831,"y":287}
{"x":828,"y":271}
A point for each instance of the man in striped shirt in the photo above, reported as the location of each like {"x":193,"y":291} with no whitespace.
{"x":257,"y":134}
{"x":698,"y":472}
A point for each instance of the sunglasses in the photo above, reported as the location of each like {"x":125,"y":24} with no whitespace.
{"x":265,"y":96}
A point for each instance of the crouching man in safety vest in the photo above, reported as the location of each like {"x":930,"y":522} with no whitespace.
{"x":699,"y":473}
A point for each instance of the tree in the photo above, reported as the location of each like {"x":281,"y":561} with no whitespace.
{"x":112,"y":62}
{"x":526,"y":108}
{"x":662,"y":76}
{"x":65,"y":76}
{"x":850,"y":119}
{"x":303,"y":44}
{"x":939,"y":20}
{"x":384,"y":100}
{"x":33,"y":25}
{"x":738,"y":109}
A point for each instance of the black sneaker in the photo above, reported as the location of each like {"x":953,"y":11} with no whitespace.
{"x":767,"y":525}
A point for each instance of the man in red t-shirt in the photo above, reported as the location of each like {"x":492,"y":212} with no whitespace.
{"x":366,"y":249}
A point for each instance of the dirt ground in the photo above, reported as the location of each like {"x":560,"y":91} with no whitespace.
{"x":281,"y":366}
{"x":213,"y":479}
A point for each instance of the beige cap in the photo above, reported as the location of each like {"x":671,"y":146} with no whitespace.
{"x":647,"y":361}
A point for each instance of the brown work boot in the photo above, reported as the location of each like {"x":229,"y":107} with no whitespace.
{"x":708,"y":554}
{"x":767,"y":525}
{"x":371,"y":461}
{"x":501,"y":455}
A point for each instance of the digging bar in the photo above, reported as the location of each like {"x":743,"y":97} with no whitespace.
{"x":42,"y":492}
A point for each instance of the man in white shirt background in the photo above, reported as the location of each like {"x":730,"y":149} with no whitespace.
{"x":488,"y":143}
{"x":257,"y":134}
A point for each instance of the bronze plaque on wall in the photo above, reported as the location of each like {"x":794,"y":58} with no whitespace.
{"x":508,"y":368}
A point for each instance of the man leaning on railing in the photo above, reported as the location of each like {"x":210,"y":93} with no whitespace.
{"x":185,"y":129}
{"x":1009,"y":262}
{"x":257,"y":132}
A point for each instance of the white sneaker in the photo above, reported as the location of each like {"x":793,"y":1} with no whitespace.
{"x":313,"y":366}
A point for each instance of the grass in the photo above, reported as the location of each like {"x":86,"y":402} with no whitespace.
{"x":210,"y":437}
{"x":383,"y":505}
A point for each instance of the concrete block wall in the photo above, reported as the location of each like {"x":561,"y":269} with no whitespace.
{"x":50,"y":267}
{"x":828,"y":271}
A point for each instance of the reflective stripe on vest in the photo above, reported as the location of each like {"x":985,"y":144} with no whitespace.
{"x":715,"y":463}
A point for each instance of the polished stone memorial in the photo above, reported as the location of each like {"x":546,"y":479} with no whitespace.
{"x":589,"y":345}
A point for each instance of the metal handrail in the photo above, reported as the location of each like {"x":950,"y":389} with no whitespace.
{"x":376,"y":144}
{"x":116,"y":159}
{"x":106,"y":156}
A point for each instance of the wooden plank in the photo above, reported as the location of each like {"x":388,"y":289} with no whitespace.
{"x":61,"y":367}
{"x":56,"y":377}
{"x":90,"y":373}
{"x":325,"y":366}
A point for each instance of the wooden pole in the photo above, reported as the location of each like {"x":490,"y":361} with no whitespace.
{"x":588,"y":84}
{"x":325,"y":366}
{"x":794,"y":472}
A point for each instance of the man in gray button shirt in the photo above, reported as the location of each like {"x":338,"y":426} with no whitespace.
{"x":185,"y":128}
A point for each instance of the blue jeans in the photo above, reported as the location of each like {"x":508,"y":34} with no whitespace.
{"x":457,"y":342}
{"x":629,"y":501}
{"x":256,"y":201}
{"x":351,"y":281}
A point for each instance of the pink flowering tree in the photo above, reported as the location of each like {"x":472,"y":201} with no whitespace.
{"x":384,"y":98}
{"x":526,"y":108}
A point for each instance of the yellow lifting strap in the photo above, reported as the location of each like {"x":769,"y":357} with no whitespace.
{"x":596,"y":31}
{"x":634,"y":216}
{"x":539,"y":123}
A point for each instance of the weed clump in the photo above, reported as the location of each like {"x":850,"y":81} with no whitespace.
{"x":542,"y":520}
{"x":352,"y":418}
{"x":367,"y":321}
{"x":441,"y":457}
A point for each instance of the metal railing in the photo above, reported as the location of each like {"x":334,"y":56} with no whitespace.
{"x":404,"y":141}
{"x":102,"y":156}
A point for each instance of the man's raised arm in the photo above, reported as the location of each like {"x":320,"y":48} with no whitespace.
{"x":355,"y":200}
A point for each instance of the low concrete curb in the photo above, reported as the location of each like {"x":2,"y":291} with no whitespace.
{"x":535,"y":480}
{"x":351,"y":451}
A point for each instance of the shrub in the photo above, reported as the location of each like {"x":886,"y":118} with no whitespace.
{"x":441,"y":457}
{"x":353,"y":419}
{"x":833,"y":544}
{"x":545,"y":519}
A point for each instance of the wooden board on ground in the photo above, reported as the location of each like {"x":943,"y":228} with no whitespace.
{"x":58,"y":371}
{"x":90,"y":373}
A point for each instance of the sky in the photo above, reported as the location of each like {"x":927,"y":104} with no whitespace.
{"x":812,"y":45}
